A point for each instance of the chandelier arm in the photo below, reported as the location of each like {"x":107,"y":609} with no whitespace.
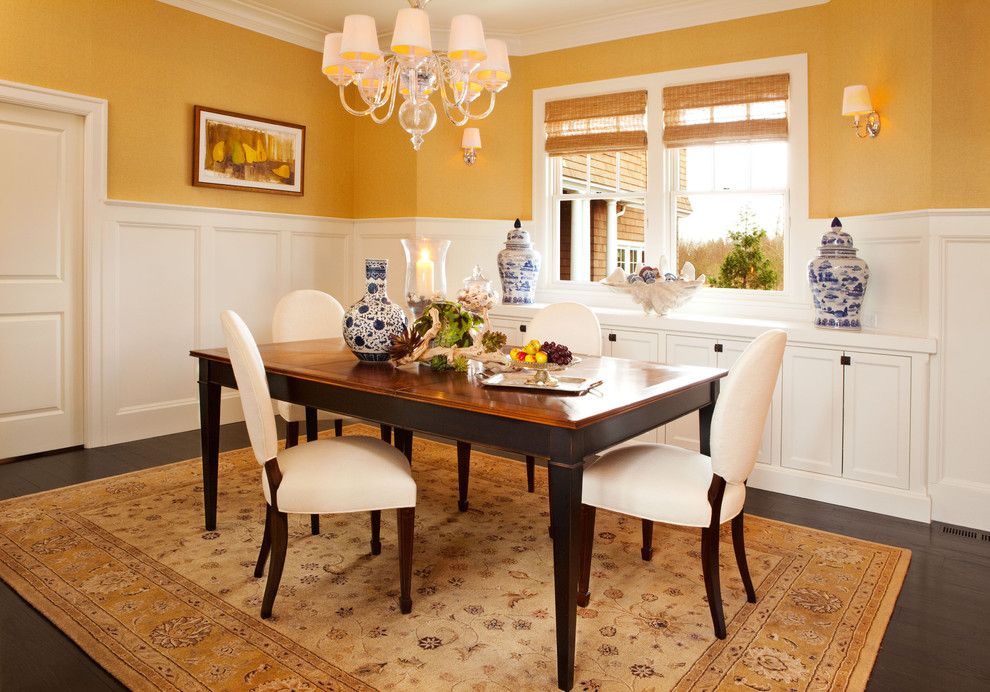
{"x":486,"y":113}
{"x":347,"y":107}
{"x":449,"y":111}
{"x":444,"y":71}
{"x":380,"y":120}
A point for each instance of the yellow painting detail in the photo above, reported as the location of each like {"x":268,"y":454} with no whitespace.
{"x":244,"y":153}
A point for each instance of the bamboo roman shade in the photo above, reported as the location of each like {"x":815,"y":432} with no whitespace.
{"x":733,"y":110}
{"x":593,"y":124}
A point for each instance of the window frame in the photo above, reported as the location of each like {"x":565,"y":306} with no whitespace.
{"x":658,"y":213}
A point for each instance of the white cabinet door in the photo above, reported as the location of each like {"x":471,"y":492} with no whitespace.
{"x":633,"y":345}
{"x":731,"y":350}
{"x":510,"y":328}
{"x":688,"y":350}
{"x":620,"y":343}
{"x":877,"y":430}
{"x":812,"y":409}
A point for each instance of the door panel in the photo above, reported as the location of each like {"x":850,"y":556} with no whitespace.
{"x":688,"y":350}
{"x":619,"y":343}
{"x":812,"y":398}
{"x":877,"y":434}
{"x":40,"y":280}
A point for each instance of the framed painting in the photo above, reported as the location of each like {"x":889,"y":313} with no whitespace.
{"x":244,"y":152}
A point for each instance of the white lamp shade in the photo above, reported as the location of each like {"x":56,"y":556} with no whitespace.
{"x":360,"y":41}
{"x":494,"y":72}
{"x":471,"y":139}
{"x":474,"y":89}
{"x":467,"y":40}
{"x":411,"y":37}
{"x":856,"y":100}
{"x":333,"y":65}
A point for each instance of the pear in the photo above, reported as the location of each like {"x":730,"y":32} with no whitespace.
{"x":237,"y":154}
{"x":282,"y":171}
{"x":250,"y":154}
{"x":218,"y":151}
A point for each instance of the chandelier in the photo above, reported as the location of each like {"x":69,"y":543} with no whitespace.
{"x":472,"y":65}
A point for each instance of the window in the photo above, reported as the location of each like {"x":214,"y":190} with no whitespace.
{"x":706,"y":177}
{"x":727,"y":145}
{"x":597,"y":149}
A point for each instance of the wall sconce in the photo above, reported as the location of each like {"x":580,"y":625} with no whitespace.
{"x":856,"y":102}
{"x":470,"y":141}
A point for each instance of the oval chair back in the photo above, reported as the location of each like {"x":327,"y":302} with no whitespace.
{"x":571,"y":324}
{"x":256,"y":400}
{"x":301,"y":315}
{"x":743,"y":403}
{"x":307,"y":314}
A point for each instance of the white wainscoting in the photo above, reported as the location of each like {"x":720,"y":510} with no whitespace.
{"x":168,"y":272}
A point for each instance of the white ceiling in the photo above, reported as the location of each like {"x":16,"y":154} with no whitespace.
{"x":528,"y":26}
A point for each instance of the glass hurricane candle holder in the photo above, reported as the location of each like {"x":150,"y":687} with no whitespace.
{"x":426,"y":276}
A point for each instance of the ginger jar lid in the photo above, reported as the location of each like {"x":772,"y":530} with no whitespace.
{"x":836,"y":238}
{"x":518,"y":238}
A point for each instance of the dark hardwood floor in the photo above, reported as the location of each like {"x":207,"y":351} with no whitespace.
{"x":937,"y":639}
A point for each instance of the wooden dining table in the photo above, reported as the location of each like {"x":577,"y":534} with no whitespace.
{"x":634,"y":397}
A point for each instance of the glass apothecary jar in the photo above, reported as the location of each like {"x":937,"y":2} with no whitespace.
{"x":426,"y":275}
{"x":477,"y":295}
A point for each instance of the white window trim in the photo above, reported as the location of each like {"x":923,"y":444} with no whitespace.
{"x":550,"y":289}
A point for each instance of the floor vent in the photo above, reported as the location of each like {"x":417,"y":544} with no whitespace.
{"x":961,"y":532}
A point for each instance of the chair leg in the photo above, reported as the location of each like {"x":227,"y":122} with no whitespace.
{"x":647,"y":551}
{"x":463,"y":474}
{"x":739,"y":544}
{"x":266,"y":544}
{"x":312,"y":425}
{"x":314,"y":524}
{"x":376,"y":532}
{"x":407,"y":523}
{"x":386,"y":431}
{"x":550,"y":494}
{"x":338,"y":427}
{"x":291,"y":433}
{"x":587,"y":543}
{"x":531,"y":474}
{"x":709,"y":566}
{"x":280,"y":542}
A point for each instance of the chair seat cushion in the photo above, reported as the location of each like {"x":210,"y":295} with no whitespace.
{"x":343,"y":474}
{"x":660,"y":483}
{"x":297,"y":413}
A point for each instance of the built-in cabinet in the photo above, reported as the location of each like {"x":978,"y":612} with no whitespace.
{"x":847,"y":422}
{"x":850,"y":414}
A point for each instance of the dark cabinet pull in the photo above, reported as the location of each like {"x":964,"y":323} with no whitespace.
{"x":611,"y":337}
{"x":718,"y":348}
{"x":846,"y":360}
{"x":522,"y":328}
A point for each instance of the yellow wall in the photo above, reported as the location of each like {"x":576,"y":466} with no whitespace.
{"x":153,"y":63}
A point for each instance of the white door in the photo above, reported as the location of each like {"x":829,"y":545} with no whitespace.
{"x":877,"y":438}
{"x":688,"y":350}
{"x":40,"y":280}
{"x":619,"y":343}
{"x":812,"y":402}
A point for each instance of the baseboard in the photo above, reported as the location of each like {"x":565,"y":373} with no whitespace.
{"x":961,"y":503}
{"x":844,"y":492}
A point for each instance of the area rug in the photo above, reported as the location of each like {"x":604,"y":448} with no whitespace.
{"x":124,"y":568}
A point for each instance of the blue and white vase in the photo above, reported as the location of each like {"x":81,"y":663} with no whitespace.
{"x":838,"y":281}
{"x":371,"y":322}
{"x":518,"y":267}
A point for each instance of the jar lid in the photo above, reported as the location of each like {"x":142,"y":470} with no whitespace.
{"x":836,"y":237}
{"x":517,"y":236}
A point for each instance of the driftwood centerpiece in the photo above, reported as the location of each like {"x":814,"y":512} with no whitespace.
{"x":447,"y":337}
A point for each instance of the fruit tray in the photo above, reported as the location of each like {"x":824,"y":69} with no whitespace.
{"x":523,"y":380}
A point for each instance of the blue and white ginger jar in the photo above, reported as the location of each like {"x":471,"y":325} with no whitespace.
{"x":838,"y":281}
{"x":371,"y":322}
{"x":518,"y":267}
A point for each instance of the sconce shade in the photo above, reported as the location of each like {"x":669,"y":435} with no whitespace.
{"x":856,"y":100}
{"x":467,"y":41}
{"x":471,"y":138}
{"x":334,"y":66}
{"x":411,"y":37}
{"x":360,"y":41}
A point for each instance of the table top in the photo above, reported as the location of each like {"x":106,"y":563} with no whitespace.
{"x":626,"y":384}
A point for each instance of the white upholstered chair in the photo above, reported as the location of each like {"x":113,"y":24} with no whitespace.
{"x":571,"y":324}
{"x":301,"y":315}
{"x":340,"y":475}
{"x":658,"y":482}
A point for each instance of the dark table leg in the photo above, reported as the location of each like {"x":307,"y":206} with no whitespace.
{"x":209,"y":425}
{"x":565,"y":515}
{"x":463,"y":474}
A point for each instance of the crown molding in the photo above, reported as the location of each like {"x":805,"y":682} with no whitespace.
{"x":609,"y":27}
{"x":280,"y":25}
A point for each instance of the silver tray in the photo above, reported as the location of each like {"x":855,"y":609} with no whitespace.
{"x":524,"y":380}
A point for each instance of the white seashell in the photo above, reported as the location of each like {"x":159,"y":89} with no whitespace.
{"x":688,"y":272}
